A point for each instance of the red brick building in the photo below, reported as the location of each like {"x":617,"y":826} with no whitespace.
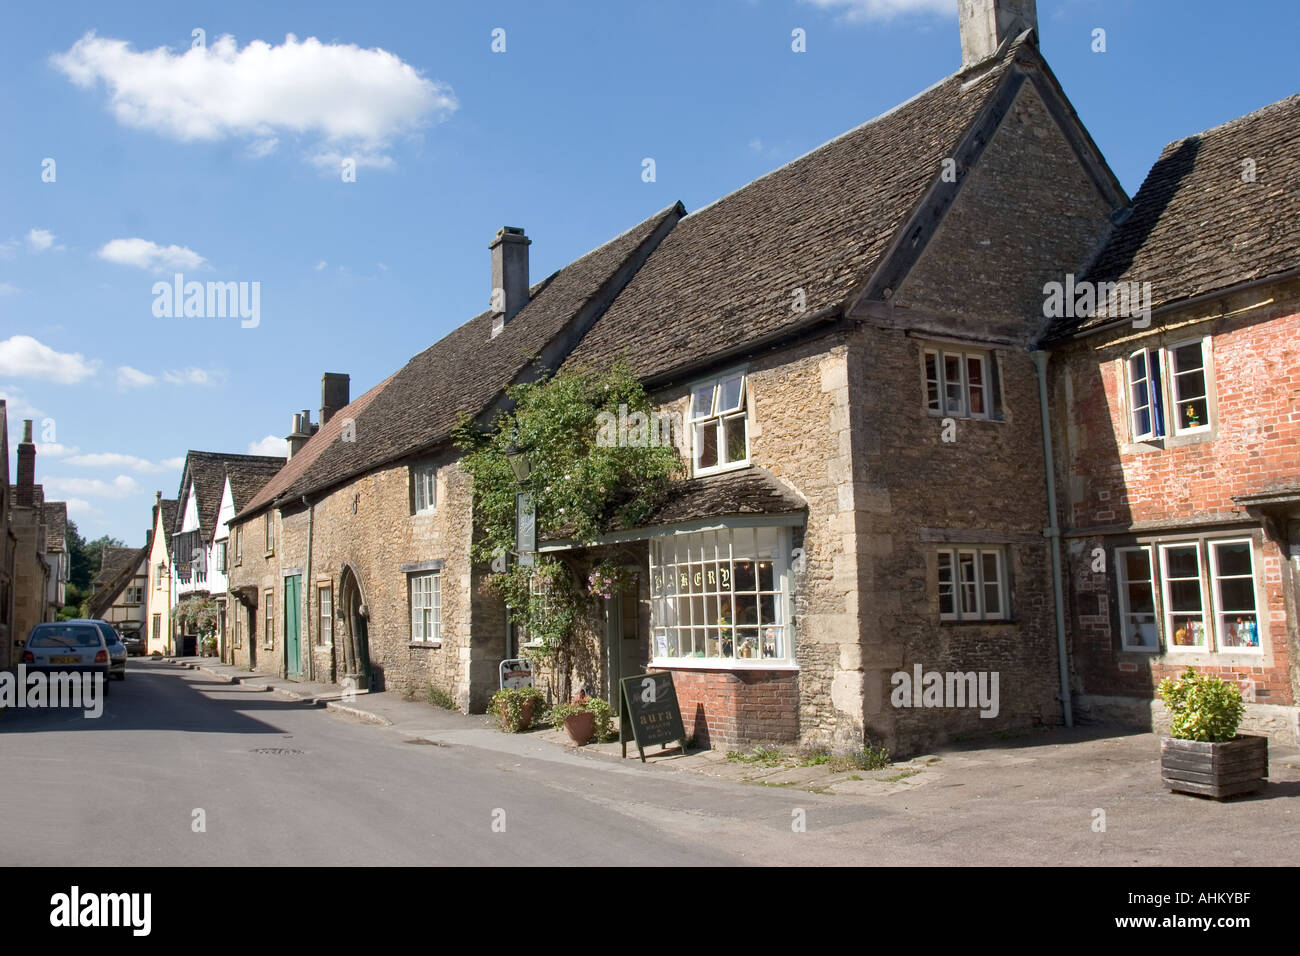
{"x":1178,"y":433}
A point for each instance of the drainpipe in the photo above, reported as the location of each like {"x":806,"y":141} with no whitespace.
{"x":1053,"y":534}
{"x":306,"y":593}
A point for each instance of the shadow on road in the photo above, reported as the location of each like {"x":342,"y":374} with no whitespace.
{"x":157,"y":696}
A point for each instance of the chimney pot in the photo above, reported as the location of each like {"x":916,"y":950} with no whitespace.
{"x":987,"y":24}
{"x":509,"y":275}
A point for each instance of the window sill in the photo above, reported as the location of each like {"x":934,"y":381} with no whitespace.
{"x":269,"y":554}
{"x":424,"y":643}
{"x":721,"y":469}
{"x":990,"y":622}
{"x":722,"y":664}
{"x":1150,"y":651}
{"x":965,"y":418}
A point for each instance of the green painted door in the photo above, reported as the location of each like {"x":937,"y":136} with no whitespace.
{"x":292,"y":632}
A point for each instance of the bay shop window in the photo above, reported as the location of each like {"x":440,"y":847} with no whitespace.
{"x":721,"y":598}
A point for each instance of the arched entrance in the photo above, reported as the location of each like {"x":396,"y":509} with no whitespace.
{"x":354,"y":615}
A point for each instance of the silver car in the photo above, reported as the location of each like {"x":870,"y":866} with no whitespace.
{"x":116,"y":647}
{"x":67,"y":646}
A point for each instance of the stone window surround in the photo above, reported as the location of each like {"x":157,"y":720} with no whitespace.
{"x":270,"y":533}
{"x":1219,"y":656}
{"x":1165,"y":342}
{"x":237,"y":532}
{"x":411,"y":568}
{"x":939,"y":539}
{"x":268,"y":620}
{"x":956,"y":615}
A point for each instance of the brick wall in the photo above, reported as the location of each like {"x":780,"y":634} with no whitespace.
{"x":736,"y":710}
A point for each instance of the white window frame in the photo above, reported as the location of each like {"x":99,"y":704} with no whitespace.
{"x":1157,"y":424}
{"x":325,"y":611}
{"x":717,"y":418}
{"x":940,"y":381}
{"x":239,"y":627}
{"x":426,"y":617}
{"x":704,"y":550}
{"x":222,"y":555}
{"x":424,"y":478}
{"x":1217,"y":609}
{"x":270,"y":532}
{"x":1125,"y":613}
{"x":268,"y":619}
{"x":979,"y":613}
{"x":134,"y":591}
{"x":1173,"y":374}
{"x":1167,"y":612}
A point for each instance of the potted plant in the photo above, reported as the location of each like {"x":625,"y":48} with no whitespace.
{"x":515,"y":707}
{"x":583,"y":719}
{"x":1204,"y":754}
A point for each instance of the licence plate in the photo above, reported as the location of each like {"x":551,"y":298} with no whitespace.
{"x":64,"y":660}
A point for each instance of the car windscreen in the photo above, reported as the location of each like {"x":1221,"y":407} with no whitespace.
{"x":86,"y":636}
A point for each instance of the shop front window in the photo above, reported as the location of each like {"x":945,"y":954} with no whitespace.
{"x":721,"y":597}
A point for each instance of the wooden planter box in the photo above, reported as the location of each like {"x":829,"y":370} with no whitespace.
{"x":1211,"y":769}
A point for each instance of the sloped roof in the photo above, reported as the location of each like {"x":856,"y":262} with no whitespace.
{"x":1196,"y":226}
{"x":56,"y":525}
{"x":728,"y":273}
{"x":169,"y":508}
{"x":247,"y":476}
{"x":297,"y":466}
{"x":113,"y":585}
{"x":111,"y":560}
{"x":752,"y":491}
{"x":466,"y":371}
{"x":206,"y":472}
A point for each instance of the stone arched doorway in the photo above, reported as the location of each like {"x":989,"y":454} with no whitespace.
{"x":354,"y":619}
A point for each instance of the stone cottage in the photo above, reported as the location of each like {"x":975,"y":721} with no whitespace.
{"x":1178,"y":431}
{"x":352,"y":564}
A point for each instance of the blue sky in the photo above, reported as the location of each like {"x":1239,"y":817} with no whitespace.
{"x":224,"y":164}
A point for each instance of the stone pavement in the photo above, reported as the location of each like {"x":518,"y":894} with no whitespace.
{"x":1084,"y":750}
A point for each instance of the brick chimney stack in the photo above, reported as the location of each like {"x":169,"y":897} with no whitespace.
{"x":987,"y":24}
{"x":509,"y":275}
{"x":25,"y":494}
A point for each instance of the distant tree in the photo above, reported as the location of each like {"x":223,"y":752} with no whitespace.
{"x":79,"y":573}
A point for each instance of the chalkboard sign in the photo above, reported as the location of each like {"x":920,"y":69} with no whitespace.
{"x":649,"y":713}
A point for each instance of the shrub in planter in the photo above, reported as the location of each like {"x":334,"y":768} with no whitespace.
{"x":515,"y":707}
{"x":1204,"y":754}
{"x":585,"y":718}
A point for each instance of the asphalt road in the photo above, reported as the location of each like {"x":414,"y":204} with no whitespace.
{"x":280,"y":782}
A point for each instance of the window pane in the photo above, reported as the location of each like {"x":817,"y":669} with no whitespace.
{"x":702,"y":402}
{"x":1233,"y":558}
{"x":992,"y":584}
{"x":1157,"y":397}
{"x":706,"y":444}
{"x":1188,"y":358}
{"x":952,"y":383}
{"x":736,"y":444}
{"x":731,"y":393}
{"x":969,"y":594}
{"x":947,"y":604}
{"x":1182,"y":562}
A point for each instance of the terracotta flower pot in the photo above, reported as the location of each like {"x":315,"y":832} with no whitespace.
{"x":580,"y":727}
{"x":526,"y":714}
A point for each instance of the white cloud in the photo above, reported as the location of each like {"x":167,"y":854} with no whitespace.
{"x":342,"y":96}
{"x":7,"y":289}
{"x":119,"y":487}
{"x":17,"y":408}
{"x":860,"y":10}
{"x":270,"y":445}
{"x":321,"y":265}
{"x":24,"y":356}
{"x":260,"y":148}
{"x":331,"y":160}
{"x":39,"y":240}
{"x":144,"y":254}
{"x":191,"y":376}
{"x":128,"y":377}
{"x":80,"y":507}
{"x":112,"y":459}
{"x":177,"y":462}
{"x":54,"y":450}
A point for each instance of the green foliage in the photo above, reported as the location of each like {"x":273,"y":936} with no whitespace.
{"x":544,"y":599}
{"x":604,"y":726}
{"x":440,"y":698}
{"x":1202,"y":707}
{"x":197,"y":616}
{"x":579,"y":486}
{"x":507,"y":707}
{"x":767,"y":756}
{"x":814,"y":756}
{"x":864,"y":758}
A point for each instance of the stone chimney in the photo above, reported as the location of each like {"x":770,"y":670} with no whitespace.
{"x":509,"y":275}
{"x":334,"y":391}
{"x":302,"y":431}
{"x":25,"y":494}
{"x":987,"y":24}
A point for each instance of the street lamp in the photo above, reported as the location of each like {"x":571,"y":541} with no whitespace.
{"x":519,"y":461}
